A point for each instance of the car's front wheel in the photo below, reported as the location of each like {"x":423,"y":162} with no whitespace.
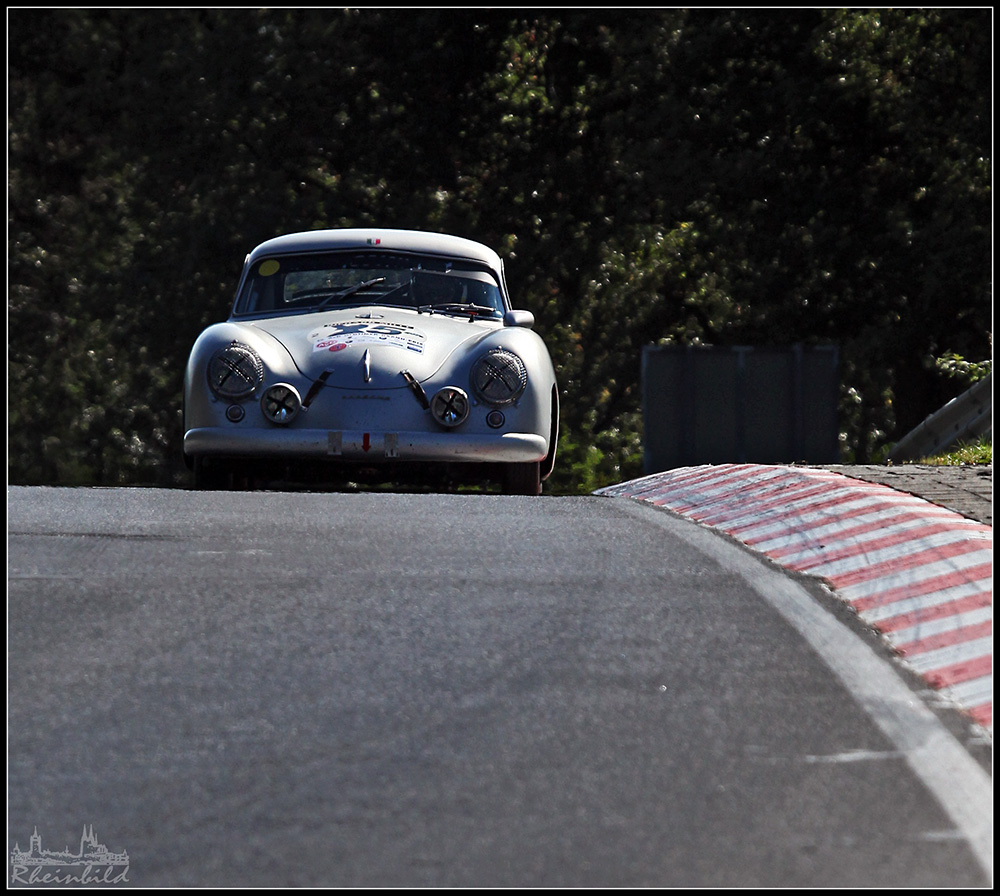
{"x":522,"y":479}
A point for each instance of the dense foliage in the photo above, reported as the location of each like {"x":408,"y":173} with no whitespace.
{"x":724,"y":177}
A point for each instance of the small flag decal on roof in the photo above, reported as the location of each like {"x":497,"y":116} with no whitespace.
{"x":373,"y":241}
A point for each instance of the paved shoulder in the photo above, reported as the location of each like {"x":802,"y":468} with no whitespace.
{"x":967,"y":489}
{"x":919,"y":573}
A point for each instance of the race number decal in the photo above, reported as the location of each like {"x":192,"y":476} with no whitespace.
{"x":337,"y":337}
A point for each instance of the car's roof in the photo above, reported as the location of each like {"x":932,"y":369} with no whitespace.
{"x":379,"y":238}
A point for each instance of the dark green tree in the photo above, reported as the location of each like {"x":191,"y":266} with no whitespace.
{"x":675,"y":176}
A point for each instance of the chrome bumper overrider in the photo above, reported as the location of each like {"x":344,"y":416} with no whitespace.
{"x":511,"y":447}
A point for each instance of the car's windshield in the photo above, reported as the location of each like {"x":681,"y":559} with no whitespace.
{"x":296,"y":283}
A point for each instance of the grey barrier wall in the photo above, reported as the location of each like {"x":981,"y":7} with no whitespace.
{"x":742,"y":404}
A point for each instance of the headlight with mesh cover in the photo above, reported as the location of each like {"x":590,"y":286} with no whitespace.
{"x":499,"y":377}
{"x":234,"y":372}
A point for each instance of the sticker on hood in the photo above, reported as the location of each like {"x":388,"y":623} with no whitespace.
{"x":338,"y":336}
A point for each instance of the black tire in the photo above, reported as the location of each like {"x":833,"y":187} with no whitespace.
{"x":522,"y":479}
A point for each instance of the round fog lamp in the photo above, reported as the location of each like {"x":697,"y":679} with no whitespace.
{"x":280,"y":403}
{"x":450,"y":406}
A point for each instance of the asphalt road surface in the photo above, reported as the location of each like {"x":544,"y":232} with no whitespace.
{"x":267,"y":689}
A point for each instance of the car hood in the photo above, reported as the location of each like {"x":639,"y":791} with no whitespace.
{"x":394,"y":339}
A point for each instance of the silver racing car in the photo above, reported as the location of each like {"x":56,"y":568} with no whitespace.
{"x":371,"y":355}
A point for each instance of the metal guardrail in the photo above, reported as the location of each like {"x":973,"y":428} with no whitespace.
{"x":965,"y":418}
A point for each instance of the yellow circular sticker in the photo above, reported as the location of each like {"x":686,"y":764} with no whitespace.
{"x":268,"y":268}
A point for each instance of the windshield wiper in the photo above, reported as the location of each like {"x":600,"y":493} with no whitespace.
{"x":344,"y":293}
{"x":458,"y":308}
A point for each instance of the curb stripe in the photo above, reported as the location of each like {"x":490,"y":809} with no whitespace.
{"x":884,"y":563}
{"x":781,"y":496}
{"x":958,"y":571}
{"x":749,"y":518}
{"x":814,"y":537}
{"x":920,"y":574}
{"x":945,"y":639}
{"x":976,"y":668}
{"x":978,"y":692}
{"x":901,"y":535}
{"x":983,"y":714}
{"x":862,"y":508}
{"x":947,"y":610}
{"x":955,"y":655}
{"x":933,"y":628}
{"x":868,"y":497}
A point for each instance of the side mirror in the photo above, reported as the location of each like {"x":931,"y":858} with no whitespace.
{"x":519,"y":319}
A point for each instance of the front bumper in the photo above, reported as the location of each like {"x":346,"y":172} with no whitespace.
{"x":373,"y":447}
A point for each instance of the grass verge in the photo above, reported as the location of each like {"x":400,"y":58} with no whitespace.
{"x":980,"y":452}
